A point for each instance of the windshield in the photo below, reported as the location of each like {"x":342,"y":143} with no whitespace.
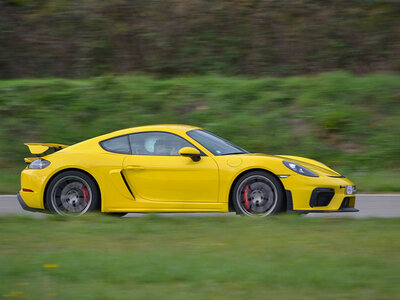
{"x":215,"y":144}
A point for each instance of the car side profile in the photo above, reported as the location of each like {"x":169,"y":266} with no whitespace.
{"x":176,"y":168}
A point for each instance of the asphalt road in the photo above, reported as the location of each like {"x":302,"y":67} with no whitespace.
{"x":370,"y":205}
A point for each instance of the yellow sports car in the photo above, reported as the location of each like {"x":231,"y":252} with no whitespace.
{"x":176,"y":168}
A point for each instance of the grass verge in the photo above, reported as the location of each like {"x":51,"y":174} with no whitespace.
{"x":340,"y":119}
{"x":285,"y":257}
{"x":10,"y":181}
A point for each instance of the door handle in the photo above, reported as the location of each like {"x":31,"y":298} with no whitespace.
{"x":134,"y":167}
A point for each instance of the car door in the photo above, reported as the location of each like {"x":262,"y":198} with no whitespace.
{"x":155,"y":170}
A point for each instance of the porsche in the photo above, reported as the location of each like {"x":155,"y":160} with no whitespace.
{"x":176,"y":168}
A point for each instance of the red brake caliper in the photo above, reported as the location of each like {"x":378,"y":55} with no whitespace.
{"x":85,"y":193}
{"x":246,"y":197}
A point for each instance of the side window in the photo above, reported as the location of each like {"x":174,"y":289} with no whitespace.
{"x":157,"y":143}
{"x":117,"y":145}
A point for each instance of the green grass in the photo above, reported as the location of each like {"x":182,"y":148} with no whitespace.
{"x":349,"y":122}
{"x":285,"y":257}
{"x":10,"y":181}
{"x":341,"y":119}
{"x":376,"y":181}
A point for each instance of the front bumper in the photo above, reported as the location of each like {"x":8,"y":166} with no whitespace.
{"x":26,"y":207}
{"x":346,"y":206}
{"x":321,"y":194}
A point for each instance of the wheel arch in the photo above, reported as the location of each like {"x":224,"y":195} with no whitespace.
{"x":240,"y":175}
{"x":66,"y":170}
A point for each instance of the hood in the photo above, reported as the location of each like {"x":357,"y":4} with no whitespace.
{"x":311,"y":164}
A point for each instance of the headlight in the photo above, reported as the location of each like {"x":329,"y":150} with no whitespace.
{"x":350,"y":189}
{"x":39,"y":164}
{"x":299,"y":169}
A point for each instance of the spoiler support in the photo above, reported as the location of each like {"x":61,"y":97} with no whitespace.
{"x":40,"y":148}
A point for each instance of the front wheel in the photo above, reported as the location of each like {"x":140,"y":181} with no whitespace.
{"x":258,"y":194}
{"x":72,"y":193}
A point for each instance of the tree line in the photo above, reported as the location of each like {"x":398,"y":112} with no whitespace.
{"x":81,"y":38}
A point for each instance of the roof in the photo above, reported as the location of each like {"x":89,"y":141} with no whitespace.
{"x":174,"y":128}
{"x":180,"y":127}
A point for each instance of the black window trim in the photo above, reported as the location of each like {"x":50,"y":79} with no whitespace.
{"x":115,"y":137}
{"x":153,"y":131}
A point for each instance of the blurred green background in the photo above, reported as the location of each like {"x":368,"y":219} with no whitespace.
{"x":311,"y":78}
{"x":84,"y":38}
{"x":349,"y":122}
{"x":179,"y":258}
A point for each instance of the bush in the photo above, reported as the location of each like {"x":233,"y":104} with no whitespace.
{"x":346,"y":121}
{"x":78,"y":38}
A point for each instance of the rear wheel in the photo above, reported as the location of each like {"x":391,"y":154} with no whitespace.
{"x":72,"y":193}
{"x":258,"y":194}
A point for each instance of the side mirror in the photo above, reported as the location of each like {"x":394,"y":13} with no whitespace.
{"x":191,"y":152}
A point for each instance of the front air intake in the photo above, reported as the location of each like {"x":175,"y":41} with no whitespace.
{"x":321,"y":197}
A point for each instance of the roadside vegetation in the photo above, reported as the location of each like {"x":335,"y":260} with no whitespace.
{"x":151,"y":257}
{"x":310,"y":78}
{"x":238,"y":37}
{"x":349,"y":122}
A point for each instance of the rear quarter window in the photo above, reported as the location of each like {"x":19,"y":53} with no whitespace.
{"x":118,"y":144}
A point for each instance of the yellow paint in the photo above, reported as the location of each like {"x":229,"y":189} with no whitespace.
{"x":28,"y":160}
{"x":39,"y":148}
{"x":51,"y":266}
{"x":16,"y":294}
{"x":173,"y":183}
{"x":189,"y":151}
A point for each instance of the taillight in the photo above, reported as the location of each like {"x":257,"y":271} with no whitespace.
{"x":39,"y":164}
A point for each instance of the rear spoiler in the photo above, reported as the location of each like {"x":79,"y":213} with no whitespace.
{"x":40,"y":148}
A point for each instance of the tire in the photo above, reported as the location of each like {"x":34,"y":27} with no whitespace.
{"x":258,"y":194}
{"x":72,"y":193}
